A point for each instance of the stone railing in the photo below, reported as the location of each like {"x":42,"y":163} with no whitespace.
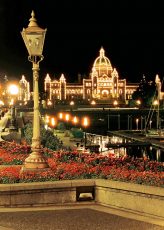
{"x":146,"y":200}
{"x":133,"y":197}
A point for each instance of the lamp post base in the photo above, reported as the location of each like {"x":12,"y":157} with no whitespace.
{"x":35,"y":161}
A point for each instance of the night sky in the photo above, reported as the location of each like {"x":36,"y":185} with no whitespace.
{"x":131,"y":32}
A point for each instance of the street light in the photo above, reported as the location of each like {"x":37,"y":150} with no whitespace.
{"x":67,"y":119}
{"x":75,"y":120}
{"x":53,"y":122}
{"x":72,"y":103}
{"x":34,"y":37}
{"x":156,"y":105}
{"x":143,"y":123}
{"x":93,"y":102}
{"x":85,"y":124}
{"x":60,"y":116}
{"x":137,"y":120}
{"x":138,"y":102}
{"x":47,"y":121}
{"x":49,"y":103}
{"x":129,"y":122}
{"x":115,"y":103}
{"x":13,"y":91}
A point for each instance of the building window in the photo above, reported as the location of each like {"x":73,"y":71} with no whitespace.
{"x":88,"y":91}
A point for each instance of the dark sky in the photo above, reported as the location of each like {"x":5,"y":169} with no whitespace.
{"x":131,"y":32}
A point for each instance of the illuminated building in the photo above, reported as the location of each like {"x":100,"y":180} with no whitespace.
{"x":103,"y":84}
{"x":24,"y":89}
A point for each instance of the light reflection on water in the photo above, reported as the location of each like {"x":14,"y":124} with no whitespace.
{"x":136,"y":151}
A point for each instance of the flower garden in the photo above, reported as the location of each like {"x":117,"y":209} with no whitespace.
{"x":66,"y":165}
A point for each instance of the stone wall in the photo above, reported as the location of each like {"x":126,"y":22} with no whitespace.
{"x":133,"y":197}
{"x":146,"y":200}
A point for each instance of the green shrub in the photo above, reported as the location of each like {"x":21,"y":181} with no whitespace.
{"x":48,"y":139}
{"x":61,"y":126}
{"x":77,"y":133}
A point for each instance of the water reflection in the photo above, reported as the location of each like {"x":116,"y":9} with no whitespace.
{"x":135,"y":151}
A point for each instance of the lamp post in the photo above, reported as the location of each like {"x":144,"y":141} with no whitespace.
{"x":108,"y":120}
{"x":72,"y":103}
{"x":137,"y":120}
{"x":47,"y":120}
{"x":129,"y":122}
{"x":60,"y":116}
{"x":156,"y":105}
{"x":158,"y":87}
{"x":75,"y":120}
{"x":118,"y":121}
{"x":85,"y":124}
{"x":115,"y":103}
{"x":53,"y":123}
{"x":138,"y":102}
{"x":34,"y":37}
{"x":67,"y":118}
{"x":13,"y":91}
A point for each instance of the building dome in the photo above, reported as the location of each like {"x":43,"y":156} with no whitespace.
{"x":102,"y":63}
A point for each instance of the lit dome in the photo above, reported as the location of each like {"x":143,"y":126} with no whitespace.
{"x":102,"y":63}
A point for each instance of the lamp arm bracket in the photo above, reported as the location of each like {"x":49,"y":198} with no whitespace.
{"x":35,"y":59}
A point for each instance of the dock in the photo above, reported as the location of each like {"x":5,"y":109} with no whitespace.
{"x":139,"y":138}
{"x":127,"y":144}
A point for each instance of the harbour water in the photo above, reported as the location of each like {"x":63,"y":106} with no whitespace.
{"x":116,"y":149}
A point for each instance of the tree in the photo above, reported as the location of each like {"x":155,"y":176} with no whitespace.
{"x":146,"y":92}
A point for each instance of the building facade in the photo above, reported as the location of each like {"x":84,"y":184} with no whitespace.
{"x":103,"y":85}
{"x":24,"y":90}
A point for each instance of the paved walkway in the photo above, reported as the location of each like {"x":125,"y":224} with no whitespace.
{"x":93,"y":217}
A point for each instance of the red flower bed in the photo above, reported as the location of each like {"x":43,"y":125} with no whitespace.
{"x":72,"y":165}
{"x":12,"y":153}
{"x":9,"y":174}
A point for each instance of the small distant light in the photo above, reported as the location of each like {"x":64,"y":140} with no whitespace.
{"x":93,"y":103}
{"x":72,"y":103}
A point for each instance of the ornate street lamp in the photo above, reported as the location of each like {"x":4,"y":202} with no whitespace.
{"x":34,"y":37}
{"x":13,"y":91}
